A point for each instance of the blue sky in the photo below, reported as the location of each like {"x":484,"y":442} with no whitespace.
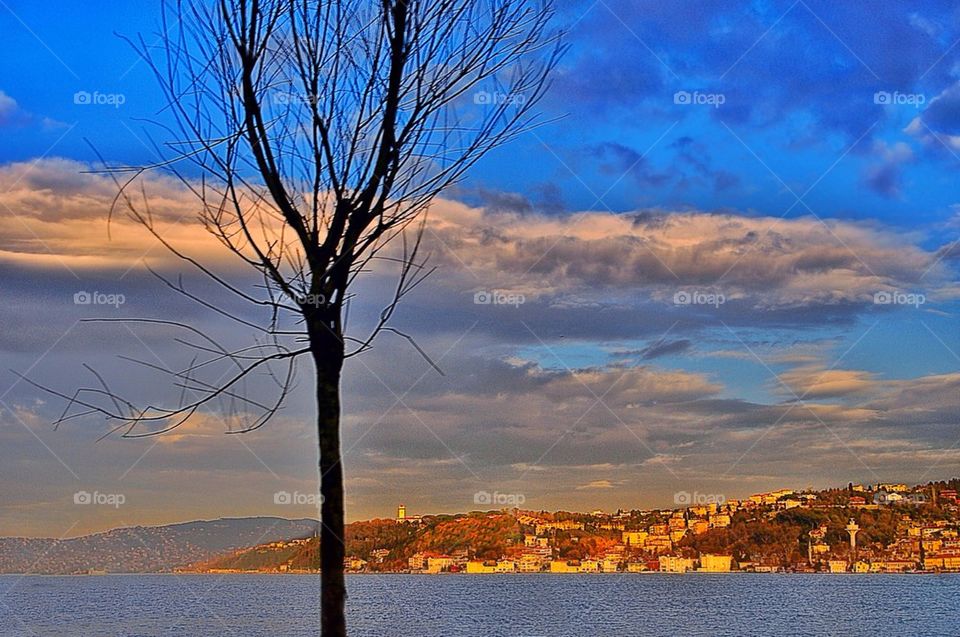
{"x":796,"y":158}
{"x":798,"y":80}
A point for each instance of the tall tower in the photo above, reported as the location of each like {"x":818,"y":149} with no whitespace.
{"x":401,"y":513}
{"x":852,"y":529}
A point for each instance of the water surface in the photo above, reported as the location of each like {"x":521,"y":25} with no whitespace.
{"x":495,"y":605}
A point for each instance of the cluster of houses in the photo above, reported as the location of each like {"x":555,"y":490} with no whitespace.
{"x":648,"y":541}
{"x":611,"y":562}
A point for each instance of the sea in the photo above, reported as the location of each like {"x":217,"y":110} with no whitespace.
{"x":541,"y":605}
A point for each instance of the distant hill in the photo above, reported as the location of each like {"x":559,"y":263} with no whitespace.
{"x":362,"y":539}
{"x":295,"y":555}
{"x":898,"y":527}
{"x":484,"y":533}
{"x":146,"y":549}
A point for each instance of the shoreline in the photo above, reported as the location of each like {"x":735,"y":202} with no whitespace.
{"x":392,"y":573}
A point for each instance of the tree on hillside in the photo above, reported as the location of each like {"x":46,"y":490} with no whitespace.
{"x":314,"y":133}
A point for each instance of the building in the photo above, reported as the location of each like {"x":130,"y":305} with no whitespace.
{"x":698,"y":526}
{"x":892,"y":566}
{"x":837,"y":566}
{"x":658,"y":543}
{"x":351,"y":564}
{"x":562,"y":525}
{"x":610,"y":564}
{"x":530,"y":563}
{"x":634,"y":538}
{"x":402,"y":515}
{"x":476,"y":566}
{"x":896,"y":487}
{"x":564,"y":566}
{"x":719,"y":520}
{"x":715,"y":563}
{"x":439,"y":563}
{"x":675,"y":564}
{"x":931,"y":545}
{"x":948,"y":560}
{"x":417,"y":562}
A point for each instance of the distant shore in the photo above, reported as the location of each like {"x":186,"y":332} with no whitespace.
{"x":368,"y":574}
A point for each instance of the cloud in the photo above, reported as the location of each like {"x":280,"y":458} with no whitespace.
{"x":817,"y":383}
{"x":943,"y":113}
{"x":775,"y":62}
{"x":925,"y":25}
{"x":695,"y":154}
{"x":10,"y":112}
{"x":586,"y":274}
{"x":524,"y":393}
{"x":598,"y":484}
{"x":762,"y":261}
{"x":12,"y":115}
{"x":522,"y":439}
{"x":950,"y":251}
{"x":60,"y":217}
{"x":886,"y":177}
{"x":58,"y":214}
{"x":618,"y":160}
{"x":938,"y":126}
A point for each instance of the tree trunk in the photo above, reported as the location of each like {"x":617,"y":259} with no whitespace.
{"x":328,"y":361}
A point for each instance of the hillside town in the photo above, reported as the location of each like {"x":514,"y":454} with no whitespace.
{"x":880,"y":528}
{"x":668,"y":540}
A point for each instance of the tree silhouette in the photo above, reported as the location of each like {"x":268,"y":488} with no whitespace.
{"x":314,"y":133}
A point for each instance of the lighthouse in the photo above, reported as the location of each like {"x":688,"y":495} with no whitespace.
{"x":852,"y":529}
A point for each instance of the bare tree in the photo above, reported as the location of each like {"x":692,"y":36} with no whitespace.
{"x":314,"y":133}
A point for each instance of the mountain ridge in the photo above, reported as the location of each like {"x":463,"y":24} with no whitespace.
{"x":145,"y":549}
